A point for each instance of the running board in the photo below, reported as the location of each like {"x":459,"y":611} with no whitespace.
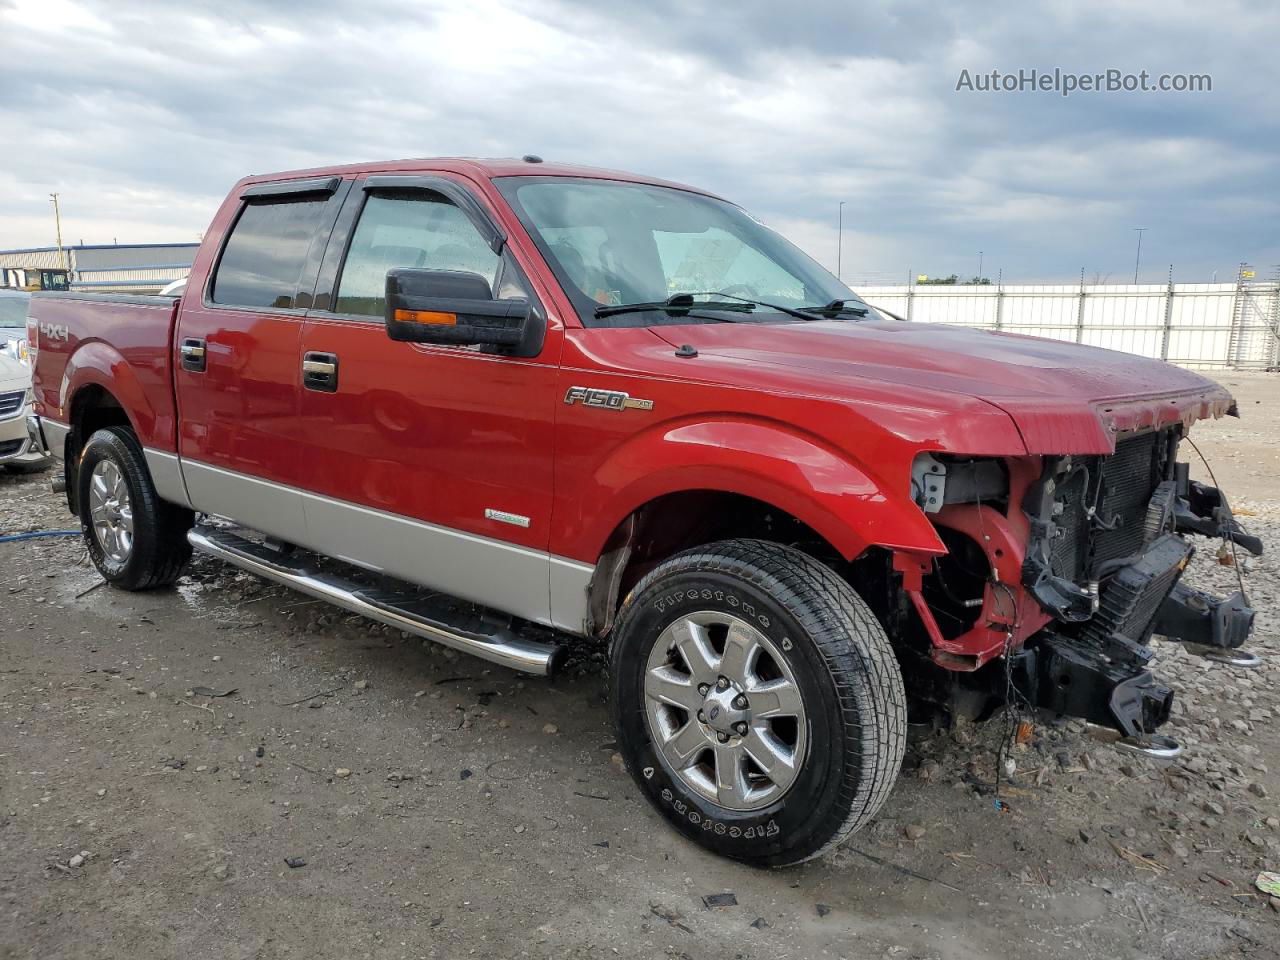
{"x":404,"y":611}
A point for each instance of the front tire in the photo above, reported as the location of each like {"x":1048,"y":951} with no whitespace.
{"x":136,"y":540}
{"x":759,"y":705}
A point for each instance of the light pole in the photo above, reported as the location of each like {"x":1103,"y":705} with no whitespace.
{"x":839,"y":238}
{"x":57,"y":221}
{"x":979,"y":266}
{"x":1138,"y":259}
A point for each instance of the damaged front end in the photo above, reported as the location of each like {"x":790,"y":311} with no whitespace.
{"x":1059,"y":571}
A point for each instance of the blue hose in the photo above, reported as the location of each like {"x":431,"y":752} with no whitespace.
{"x":15,"y":537}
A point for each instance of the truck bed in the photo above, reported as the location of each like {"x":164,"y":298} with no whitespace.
{"x":122,"y":343}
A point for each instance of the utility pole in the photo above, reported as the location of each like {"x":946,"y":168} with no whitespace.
{"x":57,"y":220}
{"x":839,"y":238}
{"x":979,"y":265}
{"x":1138,"y":259}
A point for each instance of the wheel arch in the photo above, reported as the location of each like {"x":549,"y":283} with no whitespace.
{"x":91,"y":408}
{"x":98,"y":377}
{"x":672,"y":522}
{"x":774,"y":463}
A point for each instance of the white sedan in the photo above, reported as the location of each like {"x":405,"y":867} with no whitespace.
{"x":21,"y":448}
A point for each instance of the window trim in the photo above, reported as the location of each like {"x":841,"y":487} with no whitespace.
{"x":283,"y":188}
{"x":490,"y":230}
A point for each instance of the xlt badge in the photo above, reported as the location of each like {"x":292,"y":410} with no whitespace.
{"x":605,"y":399}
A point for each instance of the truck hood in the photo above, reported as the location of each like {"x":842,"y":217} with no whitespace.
{"x":1063,"y":397}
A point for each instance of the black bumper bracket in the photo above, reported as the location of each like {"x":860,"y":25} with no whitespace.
{"x":1062,"y":676}
{"x":1193,"y":616}
{"x":1204,"y":510}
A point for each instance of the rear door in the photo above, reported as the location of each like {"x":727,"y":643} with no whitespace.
{"x":430,"y":462}
{"x":239,"y":370}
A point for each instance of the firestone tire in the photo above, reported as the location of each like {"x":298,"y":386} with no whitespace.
{"x":125,"y":498}
{"x":847,"y":745}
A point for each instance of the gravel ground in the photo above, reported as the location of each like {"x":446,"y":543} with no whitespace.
{"x":439,"y":807}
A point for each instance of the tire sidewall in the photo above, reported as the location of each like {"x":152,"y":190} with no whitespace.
{"x":801,"y":821}
{"x":107,"y":444}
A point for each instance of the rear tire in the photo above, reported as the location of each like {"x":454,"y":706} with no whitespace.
{"x":136,"y":540}
{"x":793,"y":738}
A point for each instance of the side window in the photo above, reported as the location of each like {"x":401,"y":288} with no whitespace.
{"x":263,"y":259}
{"x":414,"y":228}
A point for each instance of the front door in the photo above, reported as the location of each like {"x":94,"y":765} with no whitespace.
{"x":431,"y":463}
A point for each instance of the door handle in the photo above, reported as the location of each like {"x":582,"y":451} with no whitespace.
{"x":320,"y":371}
{"x":193,"y":354}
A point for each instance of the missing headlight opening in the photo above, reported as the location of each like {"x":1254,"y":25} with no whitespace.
{"x":1067,"y":566}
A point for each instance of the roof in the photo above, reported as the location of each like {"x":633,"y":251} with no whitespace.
{"x":476,"y":167}
{"x":99,"y":246}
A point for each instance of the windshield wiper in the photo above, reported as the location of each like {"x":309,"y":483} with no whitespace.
{"x":837,"y":307}
{"x":680,"y":303}
{"x":789,"y":311}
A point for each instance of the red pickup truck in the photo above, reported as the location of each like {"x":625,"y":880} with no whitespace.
{"x":511,"y":406}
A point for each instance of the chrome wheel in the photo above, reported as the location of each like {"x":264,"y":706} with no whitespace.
{"x":724,"y":710}
{"x":111,"y":511}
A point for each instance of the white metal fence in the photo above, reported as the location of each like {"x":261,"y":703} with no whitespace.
{"x":1206,"y":325}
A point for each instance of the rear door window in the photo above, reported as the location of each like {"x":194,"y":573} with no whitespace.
{"x":262,"y":262}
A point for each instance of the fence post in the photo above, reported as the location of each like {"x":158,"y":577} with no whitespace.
{"x":1237,"y":321}
{"x":1274,"y":323}
{"x":1168,"y":317}
{"x":1000,"y":299}
{"x":1080,"y":311}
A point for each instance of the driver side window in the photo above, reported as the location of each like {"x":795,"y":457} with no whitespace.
{"x":417,"y":229}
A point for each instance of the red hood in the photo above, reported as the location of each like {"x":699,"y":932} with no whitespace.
{"x":1064,"y":397}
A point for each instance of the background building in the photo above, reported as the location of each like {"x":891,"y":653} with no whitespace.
{"x":103,"y":268}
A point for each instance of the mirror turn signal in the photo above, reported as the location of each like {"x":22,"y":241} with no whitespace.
{"x":426,"y":316}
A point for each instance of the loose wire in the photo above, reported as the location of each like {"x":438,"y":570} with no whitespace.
{"x":1226,"y":536}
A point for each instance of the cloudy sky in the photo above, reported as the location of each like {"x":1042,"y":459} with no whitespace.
{"x":141,"y":113}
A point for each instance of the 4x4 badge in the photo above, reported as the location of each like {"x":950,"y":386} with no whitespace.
{"x":605,"y":399}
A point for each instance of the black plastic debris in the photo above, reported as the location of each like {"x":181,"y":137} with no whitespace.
{"x":822,"y":909}
{"x":759,"y":923}
{"x":465,"y":775}
{"x":260,"y":752}
{"x":719,"y":900}
{"x":295,"y":862}
{"x":603,"y":843}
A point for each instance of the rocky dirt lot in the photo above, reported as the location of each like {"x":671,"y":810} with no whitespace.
{"x":229,"y":770}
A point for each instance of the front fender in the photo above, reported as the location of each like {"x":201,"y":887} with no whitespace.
{"x":99,"y":364}
{"x":771,"y":462}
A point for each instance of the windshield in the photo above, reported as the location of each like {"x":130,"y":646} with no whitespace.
{"x":612,"y":243}
{"x":13,"y":311}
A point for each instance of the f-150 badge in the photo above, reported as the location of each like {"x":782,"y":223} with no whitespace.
{"x":605,"y":399}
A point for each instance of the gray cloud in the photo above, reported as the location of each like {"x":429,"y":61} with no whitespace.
{"x":142,"y":113}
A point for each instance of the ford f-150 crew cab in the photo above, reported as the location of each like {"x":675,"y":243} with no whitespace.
{"x":509,"y":406}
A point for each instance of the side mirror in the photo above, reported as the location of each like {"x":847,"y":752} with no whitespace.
{"x":455,"y":307}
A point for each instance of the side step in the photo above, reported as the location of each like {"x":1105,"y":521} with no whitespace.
{"x":424,"y":617}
